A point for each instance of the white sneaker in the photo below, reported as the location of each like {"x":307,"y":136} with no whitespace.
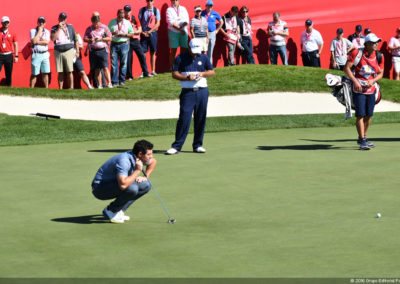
{"x":110,"y":86}
{"x":113,"y":217}
{"x":154,"y":73}
{"x":172,"y":151}
{"x":90,"y":87}
{"x":141,"y":75}
{"x":100,"y":87}
{"x":199,"y":150}
{"x":126,"y":218}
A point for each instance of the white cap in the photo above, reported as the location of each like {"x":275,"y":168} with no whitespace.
{"x":372,"y":38}
{"x":195,"y":46}
{"x":5,"y":19}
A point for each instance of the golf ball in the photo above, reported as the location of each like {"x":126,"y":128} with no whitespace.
{"x":378,"y":215}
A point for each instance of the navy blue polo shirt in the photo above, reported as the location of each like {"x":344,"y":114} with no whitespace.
{"x":122,"y":164}
{"x":186,"y":65}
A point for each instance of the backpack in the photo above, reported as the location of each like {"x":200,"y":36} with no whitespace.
{"x":144,"y":10}
{"x":359,"y":55}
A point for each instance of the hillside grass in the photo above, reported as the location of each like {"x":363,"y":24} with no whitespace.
{"x":242,"y":79}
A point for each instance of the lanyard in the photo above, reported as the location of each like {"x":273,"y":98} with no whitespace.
{"x":340,"y":47}
{"x":120,"y":26}
{"x":208,"y":15}
{"x":176,"y":10}
{"x":246,"y":24}
{"x":4,"y":36}
{"x":149,"y":13}
{"x":308,"y":36}
{"x":66,"y":32}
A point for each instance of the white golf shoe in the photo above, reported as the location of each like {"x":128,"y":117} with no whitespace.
{"x":199,"y":150}
{"x":114,"y":217}
{"x":126,"y":217}
{"x":172,"y":151}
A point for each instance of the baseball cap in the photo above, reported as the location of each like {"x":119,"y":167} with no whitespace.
{"x":127,"y":8}
{"x":41,"y":19}
{"x":5,"y":19}
{"x":339,"y":31}
{"x":195,"y":46}
{"x":210,"y":3}
{"x":197,"y":8}
{"x":367,"y":31}
{"x":358,"y":28}
{"x":62,"y":16}
{"x":372,"y":38}
{"x":308,"y":22}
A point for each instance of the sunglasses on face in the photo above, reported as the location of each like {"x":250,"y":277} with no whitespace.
{"x":6,"y":23}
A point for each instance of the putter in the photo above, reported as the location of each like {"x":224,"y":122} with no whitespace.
{"x":170,"y":220}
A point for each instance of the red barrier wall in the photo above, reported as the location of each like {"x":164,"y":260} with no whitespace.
{"x":381,"y":18}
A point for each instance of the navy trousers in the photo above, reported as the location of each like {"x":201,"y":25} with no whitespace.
{"x":311,"y":59}
{"x":191,"y":102}
{"x":135,"y":46}
{"x":123,"y":198}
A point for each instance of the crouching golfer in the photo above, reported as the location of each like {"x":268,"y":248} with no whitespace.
{"x":120,"y":178}
{"x":191,"y":69}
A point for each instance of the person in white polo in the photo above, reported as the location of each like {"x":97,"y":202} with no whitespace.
{"x":311,"y":46}
{"x":40,"y":38}
{"x":394,"y":46}
{"x":178,"y":20}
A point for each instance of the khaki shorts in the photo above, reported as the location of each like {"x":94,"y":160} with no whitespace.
{"x":396,"y":63}
{"x":204,"y":44}
{"x":64,"y":60}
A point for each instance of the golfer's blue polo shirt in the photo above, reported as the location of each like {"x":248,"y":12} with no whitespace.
{"x":211,"y":20}
{"x":121,"y":164}
{"x":187,"y":65}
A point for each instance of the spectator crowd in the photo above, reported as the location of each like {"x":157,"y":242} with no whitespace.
{"x":110,"y":47}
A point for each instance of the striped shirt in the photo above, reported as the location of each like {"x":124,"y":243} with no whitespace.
{"x":281,"y":26}
{"x":200,"y":26}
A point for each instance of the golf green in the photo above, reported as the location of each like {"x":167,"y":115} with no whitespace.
{"x":276,"y":203}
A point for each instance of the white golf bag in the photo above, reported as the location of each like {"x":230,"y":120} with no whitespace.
{"x":342,"y":90}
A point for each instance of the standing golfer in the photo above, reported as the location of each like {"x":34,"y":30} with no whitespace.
{"x":191,"y":69}
{"x":368,"y":70}
{"x":119,"y":178}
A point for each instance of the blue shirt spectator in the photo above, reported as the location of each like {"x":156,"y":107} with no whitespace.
{"x":146,"y":14}
{"x":211,"y":19}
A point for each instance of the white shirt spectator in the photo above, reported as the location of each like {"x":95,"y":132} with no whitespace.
{"x":311,"y":41}
{"x":44,"y":36}
{"x":395,"y":42}
{"x":340,"y":47}
{"x":177,"y":16}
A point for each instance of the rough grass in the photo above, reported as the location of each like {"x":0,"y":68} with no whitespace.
{"x":242,"y":79}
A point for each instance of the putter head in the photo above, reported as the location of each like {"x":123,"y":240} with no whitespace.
{"x":171,"y":221}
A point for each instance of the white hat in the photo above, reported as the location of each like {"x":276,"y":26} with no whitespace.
{"x":5,"y":19}
{"x":195,"y":46}
{"x":372,"y":38}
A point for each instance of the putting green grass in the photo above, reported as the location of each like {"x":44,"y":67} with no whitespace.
{"x":270,"y":203}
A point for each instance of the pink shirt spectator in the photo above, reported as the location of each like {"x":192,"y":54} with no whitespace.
{"x":100,"y":32}
{"x":358,"y":42}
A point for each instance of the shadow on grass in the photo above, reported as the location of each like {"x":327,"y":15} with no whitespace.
{"x":89,"y":219}
{"x":300,"y":147}
{"x":354,"y":140}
